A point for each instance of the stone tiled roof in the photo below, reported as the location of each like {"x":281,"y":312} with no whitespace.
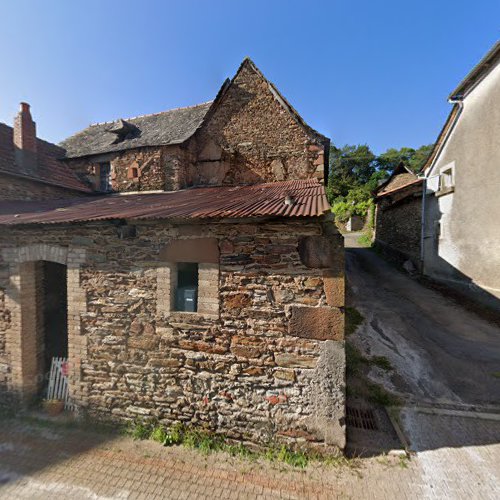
{"x":169,"y":127}
{"x":49,"y":169}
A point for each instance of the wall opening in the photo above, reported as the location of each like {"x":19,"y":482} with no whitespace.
{"x":44,"y":322}
{"x":55,"y":313}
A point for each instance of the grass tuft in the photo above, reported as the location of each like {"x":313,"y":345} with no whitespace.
{"x":208,"y":442}
{"x":353,"y":318}
{"x":365,"y":240}
{"x":378,"y":395}
{"x":139,"y":430}
{"x":354,"y":359}
{"x":158,"y":434}
{"x":382,"y":362}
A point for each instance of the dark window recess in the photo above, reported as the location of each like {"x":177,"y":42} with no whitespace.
{"x":105,"y":177}
{"x":186,"y":294}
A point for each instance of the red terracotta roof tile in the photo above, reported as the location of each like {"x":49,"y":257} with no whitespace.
{"x":49,"y":170}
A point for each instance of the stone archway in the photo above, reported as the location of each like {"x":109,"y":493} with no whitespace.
{"x":21,"y":301}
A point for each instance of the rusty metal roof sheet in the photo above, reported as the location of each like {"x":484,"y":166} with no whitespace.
{"x":308,"y":199}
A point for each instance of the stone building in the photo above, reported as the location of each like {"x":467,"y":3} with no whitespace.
{"x":398,"y":212}
{"x":202,"y":276}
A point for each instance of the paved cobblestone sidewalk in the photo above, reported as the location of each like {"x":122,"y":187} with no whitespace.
{"x":47,"y":462}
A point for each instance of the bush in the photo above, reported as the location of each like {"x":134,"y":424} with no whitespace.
{"x":357,"y":202}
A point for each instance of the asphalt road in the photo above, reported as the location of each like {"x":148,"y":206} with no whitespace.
{"x":441,"y":352}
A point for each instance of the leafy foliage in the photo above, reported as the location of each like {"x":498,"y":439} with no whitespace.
{"x":365,"y":240}
{"x":356,"y":172}
{"x":349,"y":166}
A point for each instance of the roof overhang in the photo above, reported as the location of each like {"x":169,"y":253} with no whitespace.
{"x":288,"y":199}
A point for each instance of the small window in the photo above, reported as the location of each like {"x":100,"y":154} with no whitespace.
{"x":186,"y":293}
{"x":133,"y":173}
{"x":105,"y":177}
{"x":446,"y":181}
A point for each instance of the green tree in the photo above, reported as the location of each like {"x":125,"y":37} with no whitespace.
{"x":393,"y":157}
{"x":414,"y":159}
{"x":355,"y":173}
{"x":421,"y":155}
{"x":350,"y":165}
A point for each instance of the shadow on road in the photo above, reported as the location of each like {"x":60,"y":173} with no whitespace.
{"x":442,"y":355}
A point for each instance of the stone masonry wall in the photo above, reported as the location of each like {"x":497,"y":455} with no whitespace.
{"x":251,"y":138}
{"x":266,"y":361}
{"x":398,"y":225}
{"x":16,"y":188}
{"x":143,"y":169}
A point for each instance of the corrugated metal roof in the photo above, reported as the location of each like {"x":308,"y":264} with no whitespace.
{"x":258,"y":200}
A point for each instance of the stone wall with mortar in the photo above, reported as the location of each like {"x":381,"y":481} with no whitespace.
{"x":141,"y":169}
{"x":251,"y":138}
{"x":398,"y":224}
{"x":266,"y":361}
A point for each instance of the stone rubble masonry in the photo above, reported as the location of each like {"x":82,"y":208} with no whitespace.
{"x":247,"y":365}
{"x":155,"y":168}
{"x":398,"y":223}
{"x":250,"y":138}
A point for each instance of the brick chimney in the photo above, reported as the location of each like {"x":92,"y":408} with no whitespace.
{"x":25,"y":138}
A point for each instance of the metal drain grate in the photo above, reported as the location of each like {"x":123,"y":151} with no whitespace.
{"x":361,"y":419}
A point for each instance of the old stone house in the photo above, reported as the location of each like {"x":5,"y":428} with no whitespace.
{"x":461,"y":233}
{"x":398,"y":212}
{"x":201,"y":274}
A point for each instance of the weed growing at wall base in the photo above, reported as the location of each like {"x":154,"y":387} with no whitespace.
{"x":208,"y":442}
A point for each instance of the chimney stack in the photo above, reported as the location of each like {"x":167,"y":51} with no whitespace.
{"x":25,"y":138}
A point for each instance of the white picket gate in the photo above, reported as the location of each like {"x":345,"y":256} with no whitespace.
{"x":58,"y":382}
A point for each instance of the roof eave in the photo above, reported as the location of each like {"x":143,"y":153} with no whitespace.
{"x":400,"y":188}
{"x":478,"y":72}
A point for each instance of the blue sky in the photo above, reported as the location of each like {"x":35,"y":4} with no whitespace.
{"x":375,"y":72}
